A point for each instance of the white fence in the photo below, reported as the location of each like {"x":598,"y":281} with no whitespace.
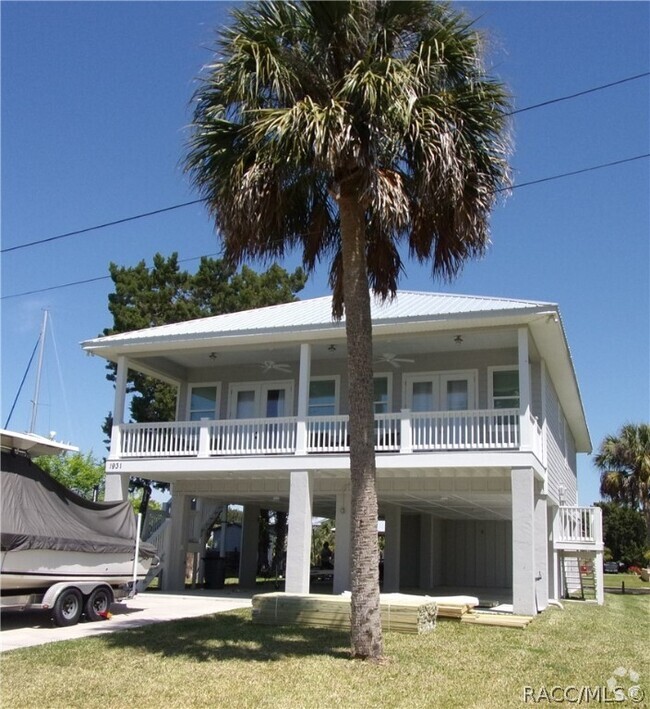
{"x":495,"y":429}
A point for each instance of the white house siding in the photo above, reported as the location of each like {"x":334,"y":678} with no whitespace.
{"x":560,"y":450}
{"x":477,"y":553}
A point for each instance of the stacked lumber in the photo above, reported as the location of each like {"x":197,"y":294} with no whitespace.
{"x":405,"y":614}
{"x":505,"y":620}
{"x":454,"y":606}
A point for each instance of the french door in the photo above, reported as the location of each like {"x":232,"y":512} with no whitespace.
{"x":260,"y":400}
{"x":440,"y":391}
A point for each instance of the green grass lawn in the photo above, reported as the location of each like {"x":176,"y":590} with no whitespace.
{"x":225,"y":660}
{"x":631,"y":581}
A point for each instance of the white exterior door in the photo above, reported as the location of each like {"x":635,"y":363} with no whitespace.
{"x":260,"y":400}
{"x":440,"y":391}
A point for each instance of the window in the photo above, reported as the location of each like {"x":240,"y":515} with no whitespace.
{"x":204,"y":399}
{"x":504,"y":383}
{"x":457,"y":395}
{"x":381,"y":396}
{"x":322,"y":397}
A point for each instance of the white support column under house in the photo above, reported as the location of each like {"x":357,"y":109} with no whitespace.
{"x":523,"y":541}
{"x":299,"y":531}
{"x":174,"y":576}
{"x":541,"y":548}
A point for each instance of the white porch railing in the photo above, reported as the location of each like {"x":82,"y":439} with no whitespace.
{"x":463,"y":430}
{"x":494,"y":429}
{"x":164,"y":440}
{"x":253,"y":436}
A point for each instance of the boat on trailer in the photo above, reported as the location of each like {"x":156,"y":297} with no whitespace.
{"x":56,"y":544}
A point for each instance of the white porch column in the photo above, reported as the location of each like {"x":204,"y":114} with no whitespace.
{"x":541,"y":548}
{"x":117,"y":485}
{"x":523,"y":541}
{"x":299,"y":533}
{"x":121,"y":376}
{"x":393,"y":519}
{"x":174,"y":573}
{"x":600,"y":557}
{"x":303,"y":398}
{"x":249,"y":539}
{"x":524,"y":389}
{"x":342,"y":543}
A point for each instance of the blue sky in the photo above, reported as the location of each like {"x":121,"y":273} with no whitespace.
{"x":95,"y":109}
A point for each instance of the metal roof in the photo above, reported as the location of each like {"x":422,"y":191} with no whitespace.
{"x":316,"y":313}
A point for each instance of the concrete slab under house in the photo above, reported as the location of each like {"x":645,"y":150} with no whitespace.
{"x":478,"y":424}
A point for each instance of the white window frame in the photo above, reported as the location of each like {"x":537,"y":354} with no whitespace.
{"x":501,"y":368}
{"x":389,"y":389}
{"x":438,"y":379}
{"x":336,"y":378}
{"x":259,"y":388}
{"x":217,"y":403}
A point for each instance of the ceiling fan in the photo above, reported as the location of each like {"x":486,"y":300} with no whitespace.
{"x":269,"y":365}
{"x":393,"y":360}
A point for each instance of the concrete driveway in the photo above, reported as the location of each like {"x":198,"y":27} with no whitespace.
{"x":27,"y":628}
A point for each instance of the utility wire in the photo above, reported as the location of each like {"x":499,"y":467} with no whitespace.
{"x":501,"y":189}
{"x":580,"y":93}
{"x":573,"y":172}
{"x":87,"y":280}
{"x":101,"y":226}
{"x":199,"y":201}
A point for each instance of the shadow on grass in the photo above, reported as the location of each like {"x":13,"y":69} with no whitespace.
{"x":230,"y":636}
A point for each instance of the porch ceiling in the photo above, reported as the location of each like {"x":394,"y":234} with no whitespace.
{"x":218,"y":354}
{"x":470,"y":498}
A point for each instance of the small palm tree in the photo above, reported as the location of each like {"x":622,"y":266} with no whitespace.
{"x":348,"y":130}
{"x":624,"y":462}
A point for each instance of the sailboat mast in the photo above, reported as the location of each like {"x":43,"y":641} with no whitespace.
{"x":37,"y":388}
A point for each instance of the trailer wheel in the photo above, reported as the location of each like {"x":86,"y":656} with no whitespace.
{"x":97,"y":604}
{"x":68,"y":607}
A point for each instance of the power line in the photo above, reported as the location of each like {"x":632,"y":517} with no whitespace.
{"x":86,"y":280}
{"x":102,"y":226}
{"x":574,"y":172}
{"x":199,"y":201}
{"x":502,"y":189}
{"x":579,"y":93}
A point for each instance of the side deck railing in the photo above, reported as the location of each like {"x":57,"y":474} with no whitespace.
{"x":403,"y":432}
{"x":580,"y":526}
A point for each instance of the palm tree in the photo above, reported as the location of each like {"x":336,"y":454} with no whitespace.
{"x":624,"y":462}
{"x":346,"y":130}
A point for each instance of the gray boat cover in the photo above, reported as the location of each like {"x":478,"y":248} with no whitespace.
{"x":40,"y":513}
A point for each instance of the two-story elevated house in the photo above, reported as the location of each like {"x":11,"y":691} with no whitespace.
{"x":478,"y":424}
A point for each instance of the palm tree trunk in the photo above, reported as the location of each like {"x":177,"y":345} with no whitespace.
{"x":366,"y":636}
